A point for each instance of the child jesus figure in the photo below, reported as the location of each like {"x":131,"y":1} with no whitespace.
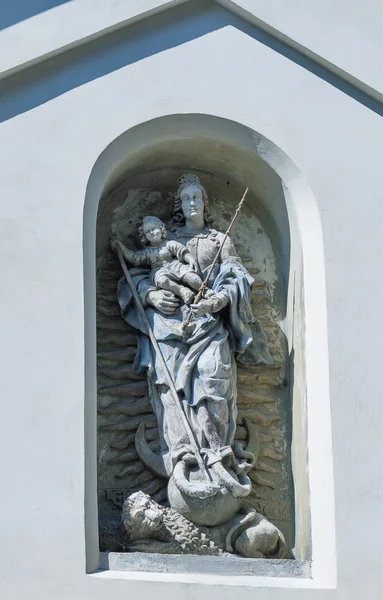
{"x":172,"y":263}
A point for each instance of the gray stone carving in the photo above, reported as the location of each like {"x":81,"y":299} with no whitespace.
{"x":203,"y":362}
{"x":199,"y":360}
{"x":151,"y":527}
{"x":171,"y":262}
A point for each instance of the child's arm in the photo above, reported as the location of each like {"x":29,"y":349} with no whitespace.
{"x":190,"y":260}
{"x":182,"y":253}
{"x":136,"y":258}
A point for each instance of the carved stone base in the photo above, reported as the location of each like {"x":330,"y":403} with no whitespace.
{"x":151,"y":527}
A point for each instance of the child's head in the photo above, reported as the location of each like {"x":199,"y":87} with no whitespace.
{"x":152,"y":231}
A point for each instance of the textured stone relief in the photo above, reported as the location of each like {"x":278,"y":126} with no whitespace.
{"x":237,"y":408}
{"x":151,"y":527}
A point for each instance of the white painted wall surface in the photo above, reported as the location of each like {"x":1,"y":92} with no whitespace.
{"x":51,"y":136}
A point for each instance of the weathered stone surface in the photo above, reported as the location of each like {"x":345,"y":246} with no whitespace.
{"x":209,"y":565}
{"x":212,"y":510}
{"x":260,"y":401}
{"x":153,"y":528}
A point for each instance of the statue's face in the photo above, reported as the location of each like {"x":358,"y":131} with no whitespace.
{"x":192,"y":201}
{"x":152,"y":232}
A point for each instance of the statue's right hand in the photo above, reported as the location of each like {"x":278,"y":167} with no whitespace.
{"x":166,"y":302}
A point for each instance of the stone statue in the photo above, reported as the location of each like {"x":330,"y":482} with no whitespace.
{"x":200,"y":357}
{"x":171,"y":262}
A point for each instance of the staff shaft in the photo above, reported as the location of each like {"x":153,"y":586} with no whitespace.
{"x":169,"y":380}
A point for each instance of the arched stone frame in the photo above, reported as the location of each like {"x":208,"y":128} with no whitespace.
{"x":305,"y":324}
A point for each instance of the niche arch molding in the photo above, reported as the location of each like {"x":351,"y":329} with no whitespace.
{"x":230,"y":150}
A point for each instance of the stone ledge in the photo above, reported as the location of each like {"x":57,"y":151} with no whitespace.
{"x":207,"y":565}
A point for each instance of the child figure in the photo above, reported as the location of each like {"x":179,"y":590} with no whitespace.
{"x":172,"y":264}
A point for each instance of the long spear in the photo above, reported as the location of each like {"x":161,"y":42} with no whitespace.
{"x":206,"y":280}
{"x":169,"y":380}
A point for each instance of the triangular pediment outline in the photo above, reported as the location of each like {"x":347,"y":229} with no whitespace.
{"x":227,"y":12}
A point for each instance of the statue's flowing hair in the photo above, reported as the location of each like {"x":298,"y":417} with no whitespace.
{"x":178,"y":218}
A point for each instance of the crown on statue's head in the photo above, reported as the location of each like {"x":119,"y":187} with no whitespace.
{"x":188,"y":179}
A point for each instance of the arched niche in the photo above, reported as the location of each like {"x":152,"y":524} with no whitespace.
{"x":281,"y":211}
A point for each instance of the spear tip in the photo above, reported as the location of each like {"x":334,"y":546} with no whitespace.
{"x":243,"y":198}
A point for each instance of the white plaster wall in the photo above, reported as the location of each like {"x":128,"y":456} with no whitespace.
{"x":47,"y":154}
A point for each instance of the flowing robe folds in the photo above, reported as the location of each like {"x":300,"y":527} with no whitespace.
{"x":201,"y":359}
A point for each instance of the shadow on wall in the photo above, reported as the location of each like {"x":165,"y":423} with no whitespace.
{"x":55,"y":76}
{"x":18,"y":10}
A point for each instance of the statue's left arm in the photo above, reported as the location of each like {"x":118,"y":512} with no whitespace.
{"x":229,"y":252}
{"x":222,"y":295}
{"x":229,"y":256}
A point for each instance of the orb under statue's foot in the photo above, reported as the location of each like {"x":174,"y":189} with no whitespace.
{"x":206,"y":508}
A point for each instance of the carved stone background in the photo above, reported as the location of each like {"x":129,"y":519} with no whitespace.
{"x":123,"y":402}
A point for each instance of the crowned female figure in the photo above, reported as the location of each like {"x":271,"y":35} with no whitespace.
{"x":201,"y":358}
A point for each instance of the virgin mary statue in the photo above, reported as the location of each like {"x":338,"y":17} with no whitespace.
{"x":200,"y":358}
